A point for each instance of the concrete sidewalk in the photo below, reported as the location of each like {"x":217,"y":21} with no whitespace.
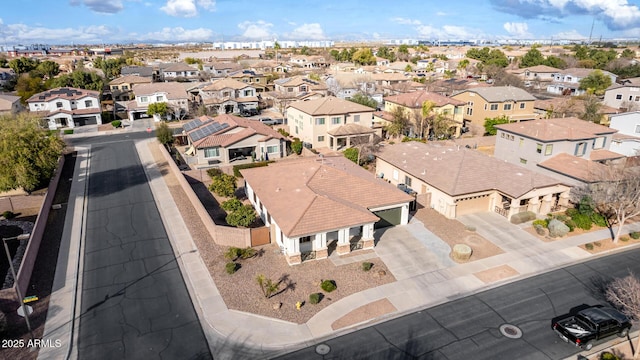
{"x":234,"y":334}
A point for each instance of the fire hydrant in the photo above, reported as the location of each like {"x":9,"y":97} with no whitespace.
{"x":298,"y":305}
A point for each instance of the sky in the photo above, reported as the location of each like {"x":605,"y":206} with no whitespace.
{"x":68,"y":22}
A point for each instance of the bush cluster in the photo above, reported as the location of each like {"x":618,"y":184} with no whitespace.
{"x":328,"y":285}
{"x":523,"y":217}
{"x":366,"y":266}
{"x":116,"y":123}
{"x":542,"y":222}
{"x":635,"y":235}
{"x":588,"y":246}
{"x":315,"y":298}
{"x":8,"y":215}
{"x":582,"y":221}
{"x":231,"y":267}
{"x":223,"y":185}
{"x":234,"y":253}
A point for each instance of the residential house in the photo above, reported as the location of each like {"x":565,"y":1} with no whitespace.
{"x":345,"y":85}
{"x":447,"y":87}
{"x":624,"y":95}
{"x":9,"y":104}
{"x":67,"y":107}
{"x":330,"y":122}
{"x":295,"y":88}
{"x":179,"y":71}
{"x":172,"y":93}
{"x":382,"y":61}
{"x":143,"y":71}
{"x":567,"y":81}
{"x":309,"y":62}
{"x":536,"y":76}
{"x":456,"y":181}
{"x":450,"y":108}
{"x":220,"y":69}
{"x":495,"y":101}
{"x":254,"y":78}
{"x":122,"y":87}
{"x":561,"y":107}
{"x":6,"y":75}
{"x":627,"y":140}
{"x":229,"y":96}
{"x":388,"y":83}
{"x":226,"y":138}
{"x":313,"y":205}
{"x":569,"y":149}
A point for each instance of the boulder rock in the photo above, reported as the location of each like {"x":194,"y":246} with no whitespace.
{"x":557,"y":228}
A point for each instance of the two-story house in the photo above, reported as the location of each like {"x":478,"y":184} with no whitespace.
{"x":172,"y":93}
{"x":254,"y":78}
{"x":569,"y":149}
{"x":567,"y":81}
{"x":388,"y":83}
{"x":143,"y":71}
{"x":330,"y":122}
{"x":220,"y":69}
{"x":122,"y":87}
{"x":450,"y":108}
{"x":537,"y":76}
{"x":67,"y":107}
{"x":493,"y":102}
{"x":228,"y":139}
{"x":345,"y":85}
{"x":179,"y":71}
{"x":226,"y":96}
{"x":627,"y":140}
{"x":624,"y":95}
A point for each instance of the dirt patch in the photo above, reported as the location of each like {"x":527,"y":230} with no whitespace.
{"x":240,"y":290}
{"x":608,"y":244}
{"x":575,"y":232}
{"x":454,"y":232}
{"x":364,"y":313}
{"x":496,"y":274}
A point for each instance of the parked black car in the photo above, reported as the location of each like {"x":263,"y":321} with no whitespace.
{"x":250,"y":112}
{"x":591,"y":324}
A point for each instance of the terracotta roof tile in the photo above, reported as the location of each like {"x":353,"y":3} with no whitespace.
{"x":569,"y":128}
{"x":329,"y":105}
{"x":574,"y":167}
{"x":417,"y":98}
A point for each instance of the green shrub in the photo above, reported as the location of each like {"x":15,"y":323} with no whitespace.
{"x":561,"y":217}
{"x":213,"y":172}
{"x":542,"y":222}
{"x":243,"y":217}
{"x":231,"y":205}
{"x":233,"y":253}
{"x":599,"y":220}
{"x":223,"y":185}
{"x":4,"y":324}
{"x":328,"y":285}
{"x":588,"y":246}
{"x":523,"y":217}
{"x":237,"y":168}
{"x":609,"y":356}
{"x":116,"y":123}
{"x":315,"y":298}
{"x":68,"y":131}
{"x":597,"y":243}
{"x":351,"y":154}
{"x":571,"y":212}
{"x":8,"y":215}
{"x":247,"y":253}
{"x":635,"y":235}
{"x":268,"y":286}
{"x":296,"y":147}
{"x":283,"y":132}
{"x":540,"y":230}
{"x":582,"y":221}
{"x":624,"y":238}
{"x":366,"y":266}
{"x":231,"y":267}
{"x":571,"y":224}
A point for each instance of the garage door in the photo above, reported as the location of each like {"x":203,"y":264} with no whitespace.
{"x":472,"y":205}
{"x":89,"y":120}
{"x":389,"y":217}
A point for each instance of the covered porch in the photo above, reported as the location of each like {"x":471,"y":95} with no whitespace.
{"x":348,"y":135}
{"x":536,"y":202}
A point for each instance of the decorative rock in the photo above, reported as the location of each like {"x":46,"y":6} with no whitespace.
{"x":462,"y":252}
{"x":379,"y":273}
{"x":277,"y":306}
{"x":557,"y":228}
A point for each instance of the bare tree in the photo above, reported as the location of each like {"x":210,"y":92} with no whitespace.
{"x":400,"y":124}
{"x":367,"y":146}
{"x":615,"y":195}
{"x":624,"y":293}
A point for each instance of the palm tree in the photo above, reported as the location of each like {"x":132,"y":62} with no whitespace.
{"x":427,"y":117}
{"x":462,"y":65}
{"x":399,"y":124}
{"x":276,"y":47}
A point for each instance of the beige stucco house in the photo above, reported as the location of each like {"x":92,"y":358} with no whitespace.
{"x":456,"y":181}
{"x":229,"y":96}
{"x":315,"y":205}
{"x":172,"y":93}
{"x":122,"y":87}
{"x":330,"y":122}
{"x":67,"y":107}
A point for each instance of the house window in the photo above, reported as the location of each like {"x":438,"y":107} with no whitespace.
{"x":257,"y":80}
{"x":539,"y":148}
{"x":321,"y":138}
{"x":637,"y":98}
{"x":522,"y":105}
{"x":144,"y":99}
{"x":407,"y":180}
{"x":395,"y":174}
{"x":507,"y":107}
{"x":457,"y":110}
{"x":630,"y":97}
{"x":494,"y":107}
{"x":58,"y":104}
{"x":159,"y":98}
{"x":211,"y":152}
{"x":523,"y":161}
{"x":290,"y":89}
{"x":319,"y":121}
{"x":88,"y":103}
{"x":581,"y":147}
{"x":226,"y":94}
{"x":485,"y":106}
{"x":125,"y":87}
{"x":248,"y":93}
{"x":273,"y":149}
{"x":618,"y":96}
{"x":637,"y":129}
{"x":548,"y":149}
{"x":521,"y":142}
{"x":303,"y":88}
{"x":356,"y":118}
{"x":335,"y":120}
{"x":598,"y":143}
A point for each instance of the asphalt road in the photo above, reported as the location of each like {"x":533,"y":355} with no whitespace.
{"x":469,"y":328}
{"x":135,"y":304}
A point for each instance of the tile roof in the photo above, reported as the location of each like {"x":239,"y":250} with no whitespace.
{"x":226,"y":83}
{"x":604,"y":154}
{"x":569,"y":128}
{"x":314,"y":195}
{"x":179,"y":67}
{"x":350,"y":129}
{"x":417,"y":98}
{"x":174,"y":91}
{"x":329,"y":105}
{"x":67,"y":93}
{"x":458,"y":171}
{"x":301,"y":80}
{"x":536,"y":69}
{"x":574,"y":167}
{"x":224,"y":138}
{"x":582,"y":72}
{"x":130,"y":79}
{"x":501,"y":93}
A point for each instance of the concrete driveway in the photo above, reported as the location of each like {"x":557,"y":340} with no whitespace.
{"x":411,"y":250}
{"x":500,"y":231}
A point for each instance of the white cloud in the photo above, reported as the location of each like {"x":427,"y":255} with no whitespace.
{"x":518,"y":30}
{"x":209,"y":5}
{"x":20,"y":33}
{"x":405,"y":21}
{"x":256,"y":30}
{"x":177,"y":34}
{"x":180,"y":8}
{"x":307,"y":32}
{"x":441,"y":13}
{"x":101,"y":6}
{"x":448,"y":32}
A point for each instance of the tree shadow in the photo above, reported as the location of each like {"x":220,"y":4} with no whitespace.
{"x":288,"y":284}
